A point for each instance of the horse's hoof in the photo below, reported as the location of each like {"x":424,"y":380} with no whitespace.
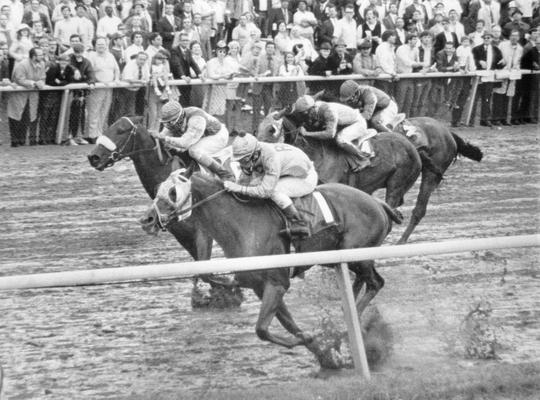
{"x":306,"y":338}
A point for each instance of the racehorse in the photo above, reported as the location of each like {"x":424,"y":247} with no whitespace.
{"x":252,"y":228}
{"x":128,"y":137}
{"x":397,"y":163}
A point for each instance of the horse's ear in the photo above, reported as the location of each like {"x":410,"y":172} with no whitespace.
{"x":318,"y":95}
{"x":233,"y":133}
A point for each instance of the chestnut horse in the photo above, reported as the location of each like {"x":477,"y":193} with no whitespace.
{"x":252,"y":228}
{"x":395,"y":167}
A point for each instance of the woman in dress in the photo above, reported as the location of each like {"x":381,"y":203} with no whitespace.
{"x":288,"y":92}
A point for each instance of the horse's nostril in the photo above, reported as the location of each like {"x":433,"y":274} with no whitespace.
{"x":93,"y":159}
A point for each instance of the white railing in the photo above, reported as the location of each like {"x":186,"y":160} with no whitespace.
{"x":341,"y":257}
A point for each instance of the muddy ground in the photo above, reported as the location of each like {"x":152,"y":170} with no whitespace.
{"x":138,"y":339}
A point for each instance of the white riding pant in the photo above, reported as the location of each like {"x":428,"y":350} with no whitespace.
{"x":357,"y":130}
{"x":207,"y":146}
{"x":290,"y":186}
{"x":387,"y":115}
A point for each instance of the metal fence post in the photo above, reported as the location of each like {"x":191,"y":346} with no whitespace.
{"x":353,"y":324}
{"x":476,"y":81}
{"x":62,"y":117}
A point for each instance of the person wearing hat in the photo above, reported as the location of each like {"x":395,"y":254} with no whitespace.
{"x":377,"y":108}
{"x":22,"y":44}
{"x":364,"y":61}
{"x":322,"y":119}
{"x":275,"y":171}
{"x":323,"y":65}
{"x":59,"y":73}
{"x":446,"y":36}
{"x":193,"y":130}
{"x":487,"y":57}
{"x":518,"y":24}
{"x":220,"y":68}
{"x":343,"y":58}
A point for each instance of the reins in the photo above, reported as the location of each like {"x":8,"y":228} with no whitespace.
{"x":119,"y":155}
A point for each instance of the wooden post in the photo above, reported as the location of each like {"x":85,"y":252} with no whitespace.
{"x":353,"y":324}
{"x":62,"y":117}
{"x":476,"y":81}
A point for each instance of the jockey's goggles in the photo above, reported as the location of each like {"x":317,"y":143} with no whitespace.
{"x":172,"y":123}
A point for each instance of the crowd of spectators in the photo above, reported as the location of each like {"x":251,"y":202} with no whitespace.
{"x":47,"y":43}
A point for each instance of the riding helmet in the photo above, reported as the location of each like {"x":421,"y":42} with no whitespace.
{"x":244,"y":145}
{"x":170,"y":111}
{"x":304,"y":103}
{"x":347,"y":90}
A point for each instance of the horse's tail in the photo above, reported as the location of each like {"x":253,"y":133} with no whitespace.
{"x":395,"y":215}
{"x":429,"y":165}
{"x":468,"y":150}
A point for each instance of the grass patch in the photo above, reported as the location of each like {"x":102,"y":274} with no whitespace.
{"x":494,"y":381}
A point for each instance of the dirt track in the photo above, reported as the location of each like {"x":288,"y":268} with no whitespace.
{"x":135,"y":340}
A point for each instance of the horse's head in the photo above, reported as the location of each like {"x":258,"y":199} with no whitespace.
{"x":122,"y":139}
{"x":270,"y":129}
{"x":172,"y":203}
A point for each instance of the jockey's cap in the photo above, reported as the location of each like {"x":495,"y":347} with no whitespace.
{"x":244,"y":145}
{"x":170,"y":111}
{"x":347,"y":90}
{"x":304,"y":103}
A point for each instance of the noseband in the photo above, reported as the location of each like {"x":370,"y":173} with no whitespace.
{"x":119,"y":154}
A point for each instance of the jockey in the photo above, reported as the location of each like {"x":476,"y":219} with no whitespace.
{"x":375,"y":105}
{"x":277,"y":171}
{"x":328,"y":117}
{"x":196,"y":131}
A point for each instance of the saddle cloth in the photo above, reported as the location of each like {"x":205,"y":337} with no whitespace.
{"x":415,"y":134}
{"x":315,"y":210}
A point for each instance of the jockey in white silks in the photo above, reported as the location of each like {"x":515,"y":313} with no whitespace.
{"x":276,"y":171}
{"x":193,"y":130}
{"x":376,"y":106}
{"x":327,"y":117}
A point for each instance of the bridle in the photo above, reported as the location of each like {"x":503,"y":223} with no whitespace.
{"x":117,"y":154}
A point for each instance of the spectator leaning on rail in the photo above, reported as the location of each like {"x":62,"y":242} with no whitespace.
{"x":23,"y":106}
{"x":377,"y":108}
{"x":277,"y":171}
{"x":195,"y":131}
{"x":327,"y":117}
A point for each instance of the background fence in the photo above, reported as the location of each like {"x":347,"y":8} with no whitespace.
{"x":70,"y":111}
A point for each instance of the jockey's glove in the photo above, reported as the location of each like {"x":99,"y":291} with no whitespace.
{"x":233,"y":187}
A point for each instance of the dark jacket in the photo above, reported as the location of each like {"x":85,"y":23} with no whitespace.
{"x":440,"y":41}
{"x":325,"y":32}
{"x":165,"y":29}
{"x":56,"y":77}
{"x":181,"y":61}
{"x":321,"y":65}
{"x":347,"y":59}
{"x":480,"y":54}
{"x":443,"y":63}
{"x":276,"y":15}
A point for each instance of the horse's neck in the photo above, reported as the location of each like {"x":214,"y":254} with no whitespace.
{"x":151,"y":170}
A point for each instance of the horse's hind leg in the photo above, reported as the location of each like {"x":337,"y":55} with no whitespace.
{"x":272,"y":303}
{"x":365,"y":273}
{"x":429,"y":182}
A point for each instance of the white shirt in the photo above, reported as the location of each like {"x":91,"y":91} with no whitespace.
{"x":132,"y":50}
{"x":386,"y":57}
{"x":405,"y":57}
{"x":64,"y":28}
{"x":131,"y":72}
{"x":465,"y":58}
{"x":346,"y":30}
{"x":86,"y":30}
{"x":107,"y":25}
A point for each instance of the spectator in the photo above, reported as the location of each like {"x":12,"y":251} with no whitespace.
{"x":447,"y":61}
{"x":168,"y":26}
{"x":275,"y":15}
{"x":36,"y":13}
{"x":463,"y":85}
{"x":91,"y":12}
{"x":52,"y":47}
{"x":102,"y":10}
{"x":305,"y":21}
{"x":324,"y":65}
{"x":346,"y":31}
{"x":435,"y":25}
{"x":203,"y":33}
{"x":525,"y":109}
{"x":155,"y":45}
{"x":23,"y":106}
{"x":136,"y":71}
{"x":37,"y":32}
{"x":343,"y":58}
{"x":420,"y":20}
{"x":426,"y":57}
{"x":518,"y":24}
{"x":58,"y":74}
{"x":488,"y":10}
{"x":116,"y":49}
{"x":198,"y":91}
{"x":99,"y":100}
{"x":478,"y":34}
{"x":288,"y":92}
{"x":496,"y":31}
{"x":138,"y":20}
{"x":455,"y":25}
{"x":6,"y":31}
{"x":401,"y":33}
{"x":329,"y":27}
{"x":86,"y":28}
{"x":386,"y":59}
{"x":64,"y":28}
{"x":233,"y":97}
{"x":309,"y":52}
{"x":22,"y":44}
{"x":187,"y":29}
{"x":446,"y":36}
{"x":220,"y":69}
{"x":487,"y":57}
{"x":389,"y":22}
{"x":372,"y":29}
{"x":282,"y":39}
{"x":135,"y":47}
{"x":512,"y":53}
{"x":180,"y":63}
{"x":406,"y":60}
{"x":17,"y":11}
{"x":108,"y":24}
{"x":241,"y":33}
{"x":159,"y":92}
{"x":417,"y":23}
{"x":374,"y":5}
{"x":364,"y":62}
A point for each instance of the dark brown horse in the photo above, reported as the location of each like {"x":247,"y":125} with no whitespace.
{"x":396,"y":166}
{"x":128,"y":138}
{"x":252,"y":228}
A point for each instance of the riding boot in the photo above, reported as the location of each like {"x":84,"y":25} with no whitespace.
{"x":361,"y":159}
{"x":299,"y":227}
{"x":218,"y":169}
{"x":379,"y":127}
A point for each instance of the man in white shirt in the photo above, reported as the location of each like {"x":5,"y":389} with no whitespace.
{"x":426,"y":57}
{"x":346,"y":30}
{"x":456,"y":26}
{"x":66,"y":27}
{"x":85,"y":26}
{"x":136,"y":45}
{"x":137,"y":70}
{"x":490,"y":12}
{"x":386,"y":58}
{"x":108,"y":24}
{"x":406,"y":60}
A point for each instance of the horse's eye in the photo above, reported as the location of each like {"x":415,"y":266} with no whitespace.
{"x":272,"y":130}
{"x":172,"y":194}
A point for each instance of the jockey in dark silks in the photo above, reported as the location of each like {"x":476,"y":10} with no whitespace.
{"x":193,"y":130}
{"x":277,"y":171}
{"x":334,"y":121}
{"x":376,"y":106}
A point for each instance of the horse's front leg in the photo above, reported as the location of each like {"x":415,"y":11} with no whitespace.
{"x":286,"y":320}
{"x":272,"y":299}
